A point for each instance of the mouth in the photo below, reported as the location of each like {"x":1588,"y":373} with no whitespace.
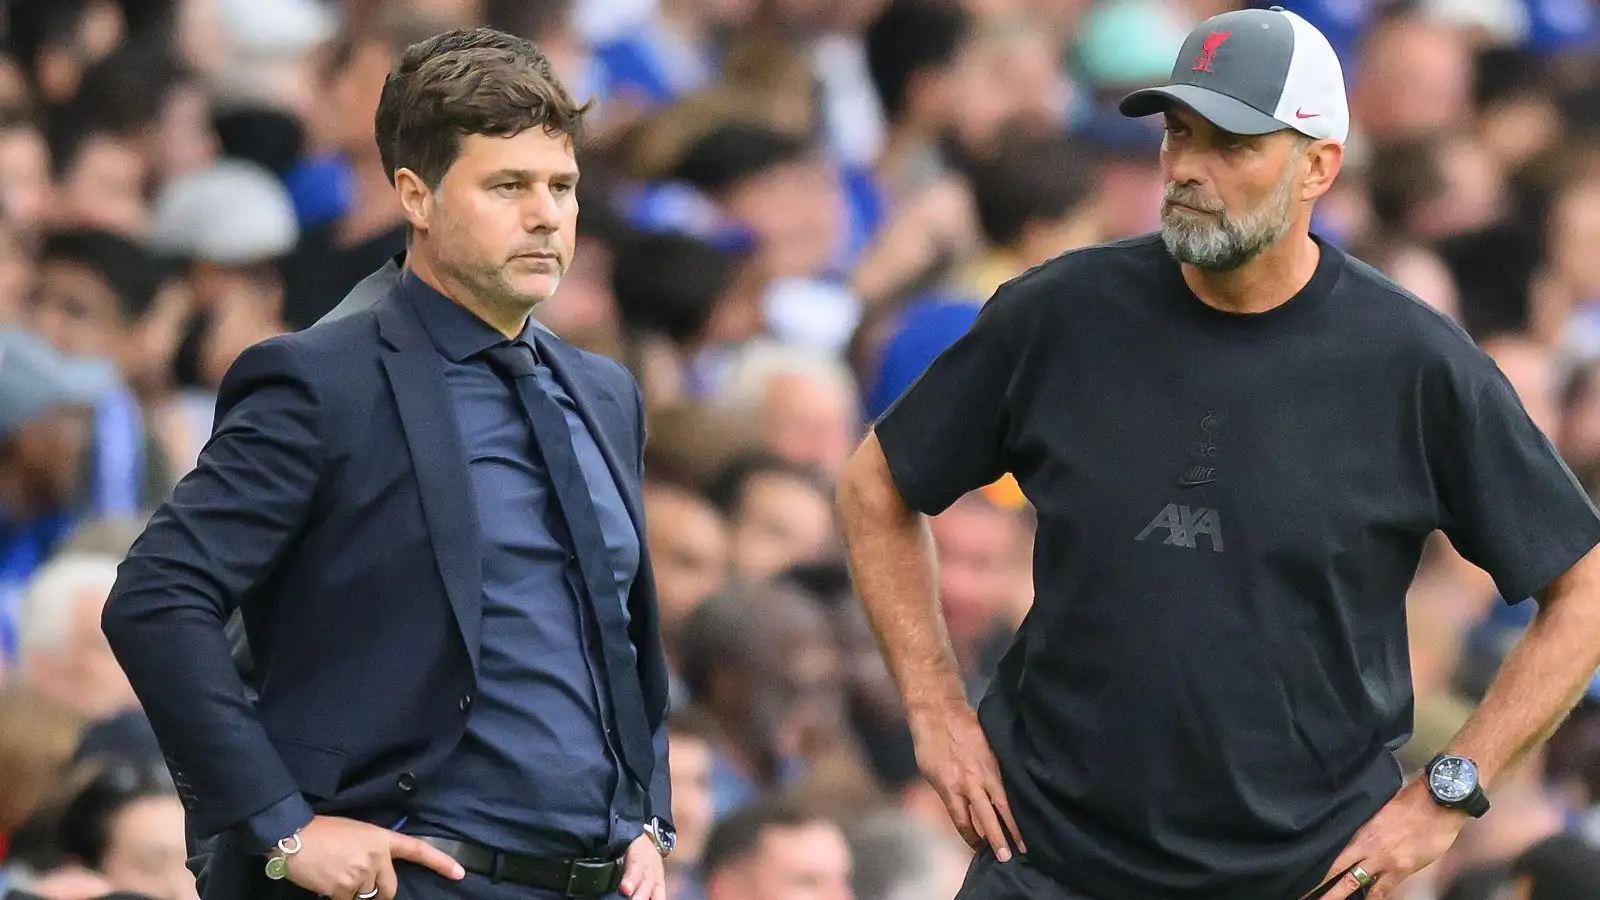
{"x":545,"y":255}
{"x":1193,"y":210}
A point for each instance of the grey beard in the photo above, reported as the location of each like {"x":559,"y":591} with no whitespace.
{"x":1228,"y":242}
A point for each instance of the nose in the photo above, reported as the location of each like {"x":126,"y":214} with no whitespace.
{"x":541,"y":211}
{"x":49,"y":323}
{"x":1182,"y":165}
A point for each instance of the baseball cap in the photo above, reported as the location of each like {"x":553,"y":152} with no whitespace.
{"x":35,"y":378}
{"x":233,"y":213}
{"x":1255,"y":71}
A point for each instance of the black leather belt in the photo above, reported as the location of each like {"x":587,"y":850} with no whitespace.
{"x":572,"y":877}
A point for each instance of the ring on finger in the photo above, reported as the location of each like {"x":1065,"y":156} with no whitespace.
{"x":1362,"y":876}
{"x":368,"y":895}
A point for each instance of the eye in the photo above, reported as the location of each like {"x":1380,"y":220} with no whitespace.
{"x":508,"y":187}
{"x":561,"y":188}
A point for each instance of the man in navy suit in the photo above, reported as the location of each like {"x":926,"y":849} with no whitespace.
{"x":428,"y":513}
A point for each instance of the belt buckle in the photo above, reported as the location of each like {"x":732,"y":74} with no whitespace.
{"x":580,"y":866}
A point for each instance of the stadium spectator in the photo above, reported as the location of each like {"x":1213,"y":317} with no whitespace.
{"x":776,"y":852}
{"x":62,"y":651}
{"x":779,"y":512}
{"x":692,"y":735}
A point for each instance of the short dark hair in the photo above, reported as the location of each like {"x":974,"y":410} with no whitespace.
{"x":726,"y":491}
{"x":74,"y":823}
{"x":133,"y":273}
{"x":737,"y":837}
{"x":129,"y":89}
{"x":1563,"y":865}
{"x":669,"y":283}
{"x":908,"y":37}
{"x":1031,"y":178}
{"x":34,"y":27}
{"x":466,"y":82}
{"x":386,"y":124}
{"x":734,"y":152}
{"x":1403,"y":176}
{"x":68,"y":132}
{"x":740,"y":629}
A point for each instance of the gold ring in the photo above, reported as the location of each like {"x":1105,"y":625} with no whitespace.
{"x":1362,"y":877}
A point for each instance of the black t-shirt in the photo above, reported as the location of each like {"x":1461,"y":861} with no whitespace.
{"x":1206,"y":695}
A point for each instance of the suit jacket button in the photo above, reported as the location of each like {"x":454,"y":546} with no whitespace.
{"x":466,"y":702}
{"x":407,"y":782}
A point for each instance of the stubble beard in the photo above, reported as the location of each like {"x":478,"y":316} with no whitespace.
{"x":486,"y":280}
{"x":1221,"y":242}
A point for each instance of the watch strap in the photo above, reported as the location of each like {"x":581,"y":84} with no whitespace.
{"x":1476,"y":803}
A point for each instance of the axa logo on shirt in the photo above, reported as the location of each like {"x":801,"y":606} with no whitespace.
{"x":1185,"y":525}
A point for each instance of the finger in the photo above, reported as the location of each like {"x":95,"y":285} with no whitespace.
{"x":635,"y":872}
{"x":988,"y":823}
{"x":388,"y":882}
{"x":1347,"y":886}
{"x":997,"y":793}
{"x":956,"y":805}
{"x":408,"y":848}
{"x":660,"y":893}
{"x":1352,"y":854}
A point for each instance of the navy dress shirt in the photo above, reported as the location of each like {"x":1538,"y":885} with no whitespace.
{"x":538,"y":771}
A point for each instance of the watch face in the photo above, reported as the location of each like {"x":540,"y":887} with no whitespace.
{"x":666,"y":839}
{"x":1453,"y":778}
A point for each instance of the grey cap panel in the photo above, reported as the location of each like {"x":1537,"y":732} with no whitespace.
{"x":1248,"y":59}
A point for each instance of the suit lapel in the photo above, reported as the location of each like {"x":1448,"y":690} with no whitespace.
{"x":591,"y":398}
{"x":416,"y":375}
{"x":595,"y":402}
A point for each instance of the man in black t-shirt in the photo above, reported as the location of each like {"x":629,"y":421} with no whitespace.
{"x":1237,"y":439}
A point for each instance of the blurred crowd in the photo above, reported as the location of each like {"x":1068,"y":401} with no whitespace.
{"x":789,"y":208}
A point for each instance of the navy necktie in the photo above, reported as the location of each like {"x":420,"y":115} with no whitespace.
{"x":553,"y":436}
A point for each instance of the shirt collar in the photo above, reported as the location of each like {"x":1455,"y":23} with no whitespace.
{"x":456,"y":333}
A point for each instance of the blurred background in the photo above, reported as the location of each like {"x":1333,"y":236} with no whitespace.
{"x":789,"y":208}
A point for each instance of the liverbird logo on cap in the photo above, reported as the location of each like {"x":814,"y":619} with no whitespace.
{"x":1208,"y":50}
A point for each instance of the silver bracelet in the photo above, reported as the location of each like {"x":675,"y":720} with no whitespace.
{"x":278,"y":865}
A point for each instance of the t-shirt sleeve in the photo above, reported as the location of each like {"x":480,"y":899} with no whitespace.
{"x":1508,"y":502}
{"x":946,"y":435}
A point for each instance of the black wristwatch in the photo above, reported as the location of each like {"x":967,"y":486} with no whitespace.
{"x":1453,"y":782}
{"x":664,"y":835}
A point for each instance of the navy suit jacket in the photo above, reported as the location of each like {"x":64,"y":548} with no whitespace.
{"x":332,"y":510}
